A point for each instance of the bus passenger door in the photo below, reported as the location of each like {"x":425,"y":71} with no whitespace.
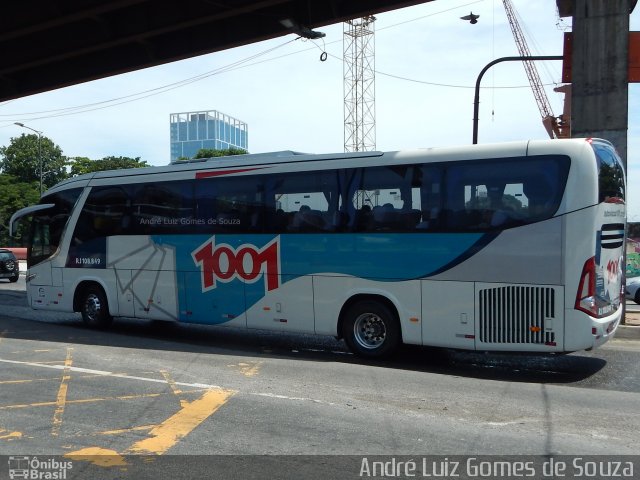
{"x":289,"y":307}
{"x":124,"y":292}
{"x":448,"y":314}
{"x":45,"y":295}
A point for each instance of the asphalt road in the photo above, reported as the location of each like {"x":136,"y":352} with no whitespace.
{"x":156,"y":389}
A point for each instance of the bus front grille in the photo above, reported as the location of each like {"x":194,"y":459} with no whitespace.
{"x":517,"y":314}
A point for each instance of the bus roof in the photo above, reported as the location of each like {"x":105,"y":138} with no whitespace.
{"x":432,"y":154}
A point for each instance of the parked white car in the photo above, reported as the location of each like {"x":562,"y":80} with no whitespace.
{"x":632,"y":289}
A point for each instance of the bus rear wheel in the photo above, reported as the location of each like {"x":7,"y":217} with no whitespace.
{"x":94,"y":308}
{"x":371,"y":329}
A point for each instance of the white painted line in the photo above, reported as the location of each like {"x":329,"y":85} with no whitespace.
{"x":163,"y":381}
{"x":295,"y":399}
{"x":109,"y":374}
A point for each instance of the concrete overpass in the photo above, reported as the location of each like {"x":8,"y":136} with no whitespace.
{"x":53,"y":44}
{"x":57,"y":43}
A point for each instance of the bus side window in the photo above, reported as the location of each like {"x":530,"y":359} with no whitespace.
{"x":102,"y":214}
{"x":162,"y":207}
{"x":388,"y":199}
{"x":430,"y":199}
{"x":304,"y":202}
{"x":231,"y":205}
{"x":539,"y":197}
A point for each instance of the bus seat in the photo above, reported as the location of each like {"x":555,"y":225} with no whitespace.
{"x":255,"y":221}
{"x":338,"y":221}
{"x":364,"y":219}
{"x":384,"y":217}
{"x":307,"y":220}
{"x":412,"y":219}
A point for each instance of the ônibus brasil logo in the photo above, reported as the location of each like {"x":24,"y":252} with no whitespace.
{"x":248,"y":263}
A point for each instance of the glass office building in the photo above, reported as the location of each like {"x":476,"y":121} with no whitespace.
{"x":191,"y":131}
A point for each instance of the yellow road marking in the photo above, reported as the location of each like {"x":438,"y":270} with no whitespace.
{"x":86,"y":400}
{"x":61,"y":399}
{"x":174,"y":387}
{"x":176,"y":427}
{"x":248,"y":369}
{"x":6,"y":435}
{"x":29,"y":380}
{"x":252,"y":370}
{"x":98,"y":456}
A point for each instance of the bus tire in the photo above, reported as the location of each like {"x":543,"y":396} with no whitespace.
{"x":94,"y":307}
{"x":637,"y":297}
{"x":14,"y":279}
{"x":371,"y":329}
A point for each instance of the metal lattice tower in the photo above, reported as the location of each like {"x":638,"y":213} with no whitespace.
{"x":359,"y":85}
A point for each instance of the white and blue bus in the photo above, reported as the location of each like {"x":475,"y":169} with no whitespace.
{"x":510,"y":247}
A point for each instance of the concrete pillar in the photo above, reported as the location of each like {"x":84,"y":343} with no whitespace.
{"x":600,"y":63}
{"x":600,"y":89}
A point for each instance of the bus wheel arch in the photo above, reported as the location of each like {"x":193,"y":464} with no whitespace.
{"x":370,"y":325}
{"x":91,"y":301}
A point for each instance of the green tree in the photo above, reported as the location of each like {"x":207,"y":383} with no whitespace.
{"x":210,"y":152}
{"x":14,"y":195}
{"x":27,"y":156}
{"x":82,"y":165}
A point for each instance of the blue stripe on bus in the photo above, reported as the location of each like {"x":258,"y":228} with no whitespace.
{"x":381,"y":257}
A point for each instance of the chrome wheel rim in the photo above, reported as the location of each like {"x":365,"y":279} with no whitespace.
{"x":369,"y":331}
{"x":92,"y":307}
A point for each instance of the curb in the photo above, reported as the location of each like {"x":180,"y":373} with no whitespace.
{"x":627,"y":332}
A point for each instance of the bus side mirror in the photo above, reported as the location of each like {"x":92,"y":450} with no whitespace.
{"x":23,"y":212}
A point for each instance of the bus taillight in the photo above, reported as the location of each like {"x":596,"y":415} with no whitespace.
{"x":586,"y":297}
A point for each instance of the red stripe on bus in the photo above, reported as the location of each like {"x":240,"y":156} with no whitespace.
{"x":224,"y":172}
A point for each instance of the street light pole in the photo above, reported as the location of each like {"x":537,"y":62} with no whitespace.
{"x":476,"y":99}
{"x":39,"y":148}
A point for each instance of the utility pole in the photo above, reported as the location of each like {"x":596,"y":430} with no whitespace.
{"x":39,"y":133}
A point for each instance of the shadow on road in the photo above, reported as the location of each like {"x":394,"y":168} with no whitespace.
{"x":141,"y":334}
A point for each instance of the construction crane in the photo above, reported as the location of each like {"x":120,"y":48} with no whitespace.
{"x":557,"y":127}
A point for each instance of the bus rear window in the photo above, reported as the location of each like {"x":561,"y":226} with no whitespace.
{"x":611,"y":186}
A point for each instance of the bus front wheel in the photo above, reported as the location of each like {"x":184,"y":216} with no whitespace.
{"x":94,"y":308}
{"x":371,"y":329}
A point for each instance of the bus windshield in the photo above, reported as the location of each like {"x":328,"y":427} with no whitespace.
{"x":47,"y":225}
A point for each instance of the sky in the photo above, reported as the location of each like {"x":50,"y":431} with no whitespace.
{"x":426,"y":59}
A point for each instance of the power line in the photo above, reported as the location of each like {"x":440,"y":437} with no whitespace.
{"x":435,"y":84}
{"x":147,"y":93}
